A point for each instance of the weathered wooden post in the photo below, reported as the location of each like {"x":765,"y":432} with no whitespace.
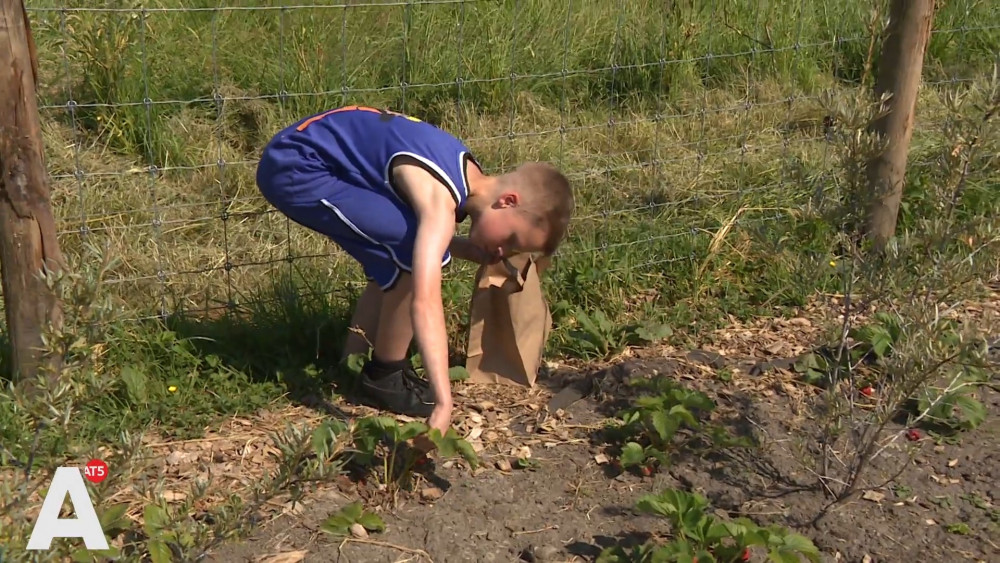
{"x":900,"y":68}
{"x":28,"y":244}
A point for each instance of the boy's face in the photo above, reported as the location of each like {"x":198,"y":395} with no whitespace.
{"x":502,"y":230}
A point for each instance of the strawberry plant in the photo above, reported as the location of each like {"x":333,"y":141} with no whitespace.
{"x":352,"y":515}
{"x":952,"y":408}
{"x":870,"y":343}
{"x":698,"y":536}
{"x":382,"y":440}
{"x":663,"y":419}
{"x":597,"y":336}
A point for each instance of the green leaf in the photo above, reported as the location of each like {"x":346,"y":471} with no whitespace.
{"x":458,"y":373}
{"x":650,"y":504}
{"x":411,"y":430}
{"x":881,"y":344}
{"x":336,"y":525}
{"x":779,"y":556}
{"x":352,"y":511}
{"x":801,"y":544}
{"x":665,"y":425}
{"x":467,"y":452}
{"x":654,"y":333}
{"x":814,"y":377}
{"x":444,"y":444}
{"x":677,"y":551}
{"x":114,"y":517}
{"x":321,"y":438}
{"x":159,"y":552}
{"x":372,"y":522}
{"x":603,"y":322}
{"x":135,"y":383}
{"x":807,"y":362}
{"x":528,"y":463}
{"x":598,"y":336}
{"x":377,"y":426}
{"x":693,"y":521}
{"x":155,"y":519}
{"x":632,"y":454}
{"x":960,"y":528}
{"x":681,"y":414}
{"x":718,"y":530}
{"x":615,"y":554}
{"x":973,"y":412}
{"x":355,"y":362}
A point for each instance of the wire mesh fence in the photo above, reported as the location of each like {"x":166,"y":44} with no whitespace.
{"x":672,"y":120}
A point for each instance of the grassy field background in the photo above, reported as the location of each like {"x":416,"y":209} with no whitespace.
{"x":676,"y":121}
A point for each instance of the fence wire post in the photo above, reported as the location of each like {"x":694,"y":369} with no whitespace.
{"x":28,"y":241}
{"x":900,"y":68}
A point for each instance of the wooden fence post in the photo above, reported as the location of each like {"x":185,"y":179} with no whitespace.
{"x":28,"y":244}
{"x":900,"y":68}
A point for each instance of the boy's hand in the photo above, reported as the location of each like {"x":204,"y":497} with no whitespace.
{"x":440,"y":419}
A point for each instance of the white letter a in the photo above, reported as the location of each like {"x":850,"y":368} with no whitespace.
{"x":86,"y":525}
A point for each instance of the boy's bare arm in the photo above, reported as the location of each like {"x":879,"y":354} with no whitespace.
{"x":435,"y":210}
{"x":463,"y":249}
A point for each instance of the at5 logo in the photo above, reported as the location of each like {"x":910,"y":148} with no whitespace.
{"x":86,"y":525}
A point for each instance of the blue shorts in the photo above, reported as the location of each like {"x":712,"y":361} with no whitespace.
{"x":374,"y":228}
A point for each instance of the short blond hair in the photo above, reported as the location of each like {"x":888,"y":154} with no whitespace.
{"x":547,"y":199}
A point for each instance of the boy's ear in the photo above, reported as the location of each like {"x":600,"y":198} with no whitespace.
{"x":509,"y":199}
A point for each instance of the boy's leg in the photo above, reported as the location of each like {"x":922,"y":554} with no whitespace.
{"x":365,"y":320}
{"x":377,"y":231}
{"x":389,"y":379}
{"x":395,"y":321}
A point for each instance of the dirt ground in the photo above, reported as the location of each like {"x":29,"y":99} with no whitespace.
{"x":569,"y":503}
{"x":568,"y":506}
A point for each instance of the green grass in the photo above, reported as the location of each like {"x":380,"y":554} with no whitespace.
{"x":671,"y":118}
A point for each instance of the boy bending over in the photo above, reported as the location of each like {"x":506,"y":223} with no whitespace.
{"x":389,"y":189}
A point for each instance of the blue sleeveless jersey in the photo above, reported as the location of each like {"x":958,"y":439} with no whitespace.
{"x":363,"y":142}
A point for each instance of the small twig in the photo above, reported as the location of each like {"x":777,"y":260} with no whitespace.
{"x":14,"y":461}
{"x":576,"y":494}
{"x":741,"y":33}
{"x":545,"y":529}
{"x":404,"y":549}
{"x":34,"y":450}
{"x":240,"y":437}
{"x":582,"y":426}
{"x":895,"y":476}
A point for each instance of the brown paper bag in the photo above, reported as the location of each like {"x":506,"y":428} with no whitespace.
{"x":509,"y":322}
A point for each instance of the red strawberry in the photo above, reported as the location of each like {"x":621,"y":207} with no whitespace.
{"x":867,"y":391}
{"x":647,"y":470}
{"x":913,"y":434}
{"x":746,"y":554}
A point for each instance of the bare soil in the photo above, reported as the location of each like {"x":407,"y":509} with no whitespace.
{"x":943,"y":506}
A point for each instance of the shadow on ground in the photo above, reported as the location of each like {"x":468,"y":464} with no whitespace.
{"x":289,"y":335}
{"x":284,"y":335}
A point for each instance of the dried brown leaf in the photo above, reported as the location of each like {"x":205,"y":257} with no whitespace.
{"x":286,"y":557}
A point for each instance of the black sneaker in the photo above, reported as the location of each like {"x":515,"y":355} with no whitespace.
{"x":403,"y":392}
